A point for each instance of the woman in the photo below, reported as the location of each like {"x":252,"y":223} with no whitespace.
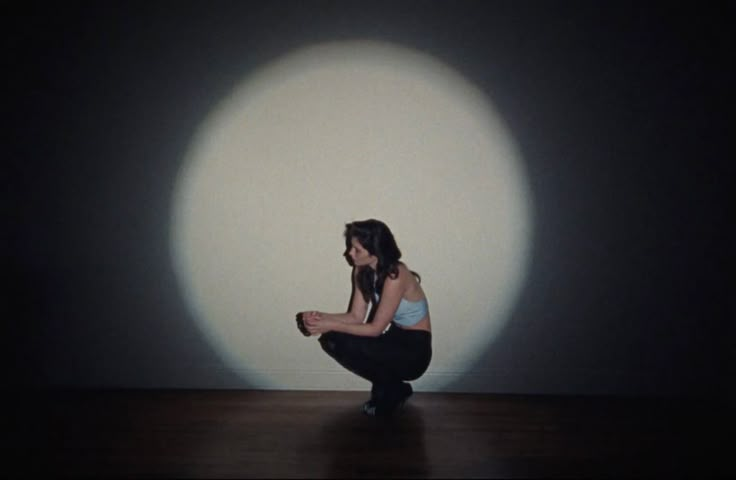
{"x":392,"y":344}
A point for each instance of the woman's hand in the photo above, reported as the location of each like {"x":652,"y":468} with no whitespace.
{"x":301,"y":322}
{"x":310,"y":316}
{"x":316,"y":323}
{"x":305,"y":321}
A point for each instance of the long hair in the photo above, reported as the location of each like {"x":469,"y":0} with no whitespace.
{"x":377,"y":239}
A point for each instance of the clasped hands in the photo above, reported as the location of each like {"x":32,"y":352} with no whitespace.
{"x":313,"y":323}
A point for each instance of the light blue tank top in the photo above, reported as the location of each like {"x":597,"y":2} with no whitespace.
{"x":409,"y":313}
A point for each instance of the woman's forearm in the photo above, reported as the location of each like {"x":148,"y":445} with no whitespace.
{"x":347,"y":318}
{"x":359,"y":329}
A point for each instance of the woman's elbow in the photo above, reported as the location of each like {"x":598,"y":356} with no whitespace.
{"x":376,"y":330}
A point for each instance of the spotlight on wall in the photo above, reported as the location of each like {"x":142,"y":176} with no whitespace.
{"x":329,"y":134}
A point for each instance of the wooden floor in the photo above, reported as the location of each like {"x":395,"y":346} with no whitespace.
{"x":267,"y":434}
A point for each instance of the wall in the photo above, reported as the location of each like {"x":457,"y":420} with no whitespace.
{"x":620,"y":116}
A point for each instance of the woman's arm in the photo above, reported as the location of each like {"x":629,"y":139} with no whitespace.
{"x":355,"y":315}
{"x":346,"y":318}
{"x":390,"y":299}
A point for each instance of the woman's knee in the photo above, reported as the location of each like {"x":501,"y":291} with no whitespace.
{"x":330,"y":343}
{"x":340,"y":345}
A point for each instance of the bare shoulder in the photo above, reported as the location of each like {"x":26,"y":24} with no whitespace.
{"x":403,"y":269}
{"x":401,"y":280}
{"x":406,"y":272}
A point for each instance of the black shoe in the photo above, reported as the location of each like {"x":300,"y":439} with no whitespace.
{"x":369,"y":408}
{"x":406,"y":390}
{"x":376,"y":407}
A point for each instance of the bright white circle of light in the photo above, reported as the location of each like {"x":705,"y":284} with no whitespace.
{"x":330,"y":134}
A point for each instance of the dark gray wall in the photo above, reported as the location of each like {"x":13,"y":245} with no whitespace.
{"x":622,"y":113}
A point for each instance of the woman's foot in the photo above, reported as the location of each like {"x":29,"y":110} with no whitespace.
{"x":379,"y":406}
{"x":369,"y":408}
{"x":378,"y":409}
{"x":406,"y":390}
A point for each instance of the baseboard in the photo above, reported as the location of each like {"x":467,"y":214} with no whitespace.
{"x":342,"y":380}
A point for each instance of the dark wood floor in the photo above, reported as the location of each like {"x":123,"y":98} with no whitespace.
{"x":324,"y":434}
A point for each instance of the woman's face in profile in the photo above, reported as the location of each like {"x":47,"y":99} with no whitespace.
{"x":359,"y":256}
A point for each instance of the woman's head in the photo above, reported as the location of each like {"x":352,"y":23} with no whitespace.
{"x":370,"y":242}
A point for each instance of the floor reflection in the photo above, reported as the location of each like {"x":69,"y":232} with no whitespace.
{"x":356,"y":445}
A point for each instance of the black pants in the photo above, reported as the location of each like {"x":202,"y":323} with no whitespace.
{"x":386,"y":361}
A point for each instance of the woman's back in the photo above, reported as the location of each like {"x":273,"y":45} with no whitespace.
{"x":413,"y":310}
